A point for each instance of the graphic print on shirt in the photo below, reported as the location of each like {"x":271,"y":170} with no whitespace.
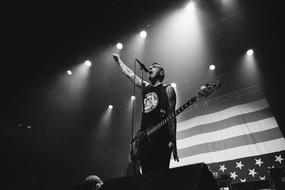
{"x":150,"y":102}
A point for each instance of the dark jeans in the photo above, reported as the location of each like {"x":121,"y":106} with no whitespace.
{"x":155,"y":156}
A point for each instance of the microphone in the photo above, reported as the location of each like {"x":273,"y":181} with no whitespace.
{"x":142,"y":66}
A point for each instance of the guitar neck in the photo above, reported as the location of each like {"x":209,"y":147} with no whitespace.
{"x":171,"y":116}
{"x":205,"y":91}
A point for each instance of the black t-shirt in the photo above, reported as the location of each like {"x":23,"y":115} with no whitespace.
{"x":155,"y":109}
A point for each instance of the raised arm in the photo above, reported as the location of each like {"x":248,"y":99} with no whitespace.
{"x":128,"y":72}
{"x":171,"y":96}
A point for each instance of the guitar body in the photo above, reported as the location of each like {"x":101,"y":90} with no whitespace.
{"x":138,"y":146}
{"x":134,"y":168}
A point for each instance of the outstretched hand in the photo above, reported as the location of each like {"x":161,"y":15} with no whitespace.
{"x":116,"y":57}
{"x":173,"y":149}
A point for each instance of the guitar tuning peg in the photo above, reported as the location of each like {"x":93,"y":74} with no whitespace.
{"x":200,"y":94}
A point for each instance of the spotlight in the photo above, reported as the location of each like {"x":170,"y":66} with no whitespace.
{"x":143,"y":34}
{"x":212,"y":67}
{"x":133,"y":98}
{"x":110,"y":107}
{"x":69,"y":72}
{"x":119,"y":45}
{"x":190,"y":6}
{"x":88,"y":63}
{"x":249,"y":52}
{"x":173,"y":85}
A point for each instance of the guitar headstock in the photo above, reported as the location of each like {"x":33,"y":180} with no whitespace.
{"x":209,"y":88}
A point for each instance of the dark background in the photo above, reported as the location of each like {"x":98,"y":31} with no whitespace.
{"x":43,"y":39}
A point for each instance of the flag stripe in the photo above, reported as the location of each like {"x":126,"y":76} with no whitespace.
{"x":224,"y":114}
{"x":223,"y":124}
{"x":275,"y":145}
{"x":235,"y":134}
{"x":238,"y":130}
{"x":243,"y":140}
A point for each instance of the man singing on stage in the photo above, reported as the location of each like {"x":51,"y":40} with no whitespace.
{"x":159,"y":101}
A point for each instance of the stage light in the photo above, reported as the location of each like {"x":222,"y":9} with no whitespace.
{"x":190,"y":6}
{"x":133,"y":98}
{"x":212,"y":67}
{"x":88,"y":63}
{"x":110,"y":107}
{"x":173,"y":85}
{"x":69,"y":72}
{"x":249,"y":52}
{"x":119,"y":45}
{"x":143,"y":34}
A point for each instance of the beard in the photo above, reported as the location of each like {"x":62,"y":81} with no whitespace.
{"x":153,"y":80}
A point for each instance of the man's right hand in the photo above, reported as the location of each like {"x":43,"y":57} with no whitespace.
{"x":116,"y":57}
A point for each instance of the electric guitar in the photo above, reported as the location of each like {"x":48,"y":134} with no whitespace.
{"x":137,"y":142}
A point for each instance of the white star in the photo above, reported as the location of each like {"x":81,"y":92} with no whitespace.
{"x":222,"y":168}
{"x":243,"y":180}
{"x":252,"y":172}
{"x":262,"y":178}
{"x":279,"y":159}
{"x":233,"y":175}
{"x":258,"y":162}
{"x":239,"y":165}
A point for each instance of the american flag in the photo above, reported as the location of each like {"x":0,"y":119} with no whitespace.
{"x":235,"y":134}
